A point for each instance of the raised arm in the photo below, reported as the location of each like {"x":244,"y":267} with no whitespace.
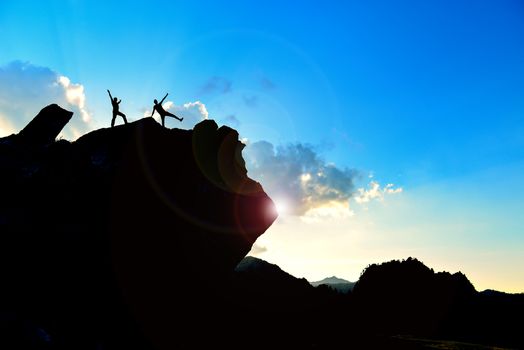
{"x":164,"y":98}
{"x":109,"y":92}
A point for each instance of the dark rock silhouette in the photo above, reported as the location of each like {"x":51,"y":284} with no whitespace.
{"x":100,"y":238}
{"x":45,"y":127}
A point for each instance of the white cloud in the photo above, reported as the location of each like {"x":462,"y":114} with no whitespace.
{"x":329,"y":211}
{"x":216,"y":84}
{"x":375,"y":192}
{"x":389,"y":189}
{"x":26,"y":88}
{"x":168,"y":105}
{"x":298,"y":179}
{"x":257,"y":249}
{"x":75,"y":96}
{"x":301,"y":183}
{"x":202,"y":110}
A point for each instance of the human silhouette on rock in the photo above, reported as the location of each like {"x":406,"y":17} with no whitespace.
{"x":116,"y":111}
{"x":163,"y":113}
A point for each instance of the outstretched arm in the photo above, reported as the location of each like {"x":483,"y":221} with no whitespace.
{"x":164,"y":98}
{"x":109,"y":92}
{"x":153,"y":112}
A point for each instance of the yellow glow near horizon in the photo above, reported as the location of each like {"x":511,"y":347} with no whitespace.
{"x":336,"y":240}
{"x":6,"y":127}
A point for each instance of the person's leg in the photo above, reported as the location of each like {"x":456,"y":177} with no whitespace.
{"x":174,"y":116}
{"x":113,"y":120}
{"x":123,"y":116}
{"x":163,"y":119}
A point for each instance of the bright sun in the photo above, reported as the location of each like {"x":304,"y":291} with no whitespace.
{"x":280,"y":206}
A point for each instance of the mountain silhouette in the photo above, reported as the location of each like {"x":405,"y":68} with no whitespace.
{"x":394,"y":305}
{"x":338,"y":284}
{"x":96,"y":234}
{"x":287,"y":310}
{"x":269,"y":279}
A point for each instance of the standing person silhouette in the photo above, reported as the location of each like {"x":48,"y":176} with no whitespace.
{"x":163,"y":113}
{"x":116,"y":111}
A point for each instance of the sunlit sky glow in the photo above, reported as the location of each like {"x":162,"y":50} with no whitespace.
{"x":382,"y":129}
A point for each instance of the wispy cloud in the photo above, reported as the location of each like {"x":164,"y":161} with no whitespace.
{"x":375,"y":192}
{"x":266,"y":83}
{"x":231,"y":120}
{"x":257,"y":249}
{"x":216,"y":84}
{"x":250,"y":101}
{"x":26,"y":88}
{"x":297,"y":178}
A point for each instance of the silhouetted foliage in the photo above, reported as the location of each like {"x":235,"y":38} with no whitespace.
{"x":408,"y":297}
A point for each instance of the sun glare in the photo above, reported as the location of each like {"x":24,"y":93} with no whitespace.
{"x":280,"y":206}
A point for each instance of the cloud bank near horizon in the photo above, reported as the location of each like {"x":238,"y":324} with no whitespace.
{"x":296,"y":176}
{"x":303,"y":184}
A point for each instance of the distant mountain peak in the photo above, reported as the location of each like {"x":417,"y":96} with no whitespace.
{"x":336,"y":283}
{"x":330,"y":280}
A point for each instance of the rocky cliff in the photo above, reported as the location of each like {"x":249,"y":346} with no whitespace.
{"x":100,"y":237}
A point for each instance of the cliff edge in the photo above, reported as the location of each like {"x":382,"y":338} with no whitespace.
{"x":100,"y":237}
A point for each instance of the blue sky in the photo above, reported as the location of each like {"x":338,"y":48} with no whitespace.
{"x":426,"y":96}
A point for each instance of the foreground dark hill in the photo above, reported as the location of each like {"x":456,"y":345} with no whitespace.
{"x":100,"y":238}
{"x":283,"y":311}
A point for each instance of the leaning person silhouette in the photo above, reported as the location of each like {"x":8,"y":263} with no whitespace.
{"x":163,"y":113}
{"x":116,"y":111}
